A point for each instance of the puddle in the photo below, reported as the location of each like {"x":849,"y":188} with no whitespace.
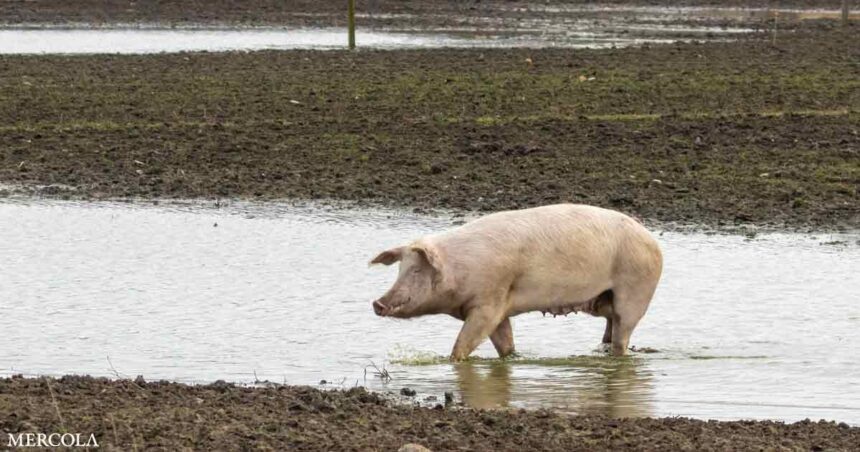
{"x":740,"y":328}
{"x":685,"y":12}
{"x":154,"y":40}
{"x":138,"y":41}
{"x":498,"y":25}
{"x":575,"y":30}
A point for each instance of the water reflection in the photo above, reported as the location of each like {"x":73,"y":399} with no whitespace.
{"x":484,"y":388}
{"x":617,"y":387}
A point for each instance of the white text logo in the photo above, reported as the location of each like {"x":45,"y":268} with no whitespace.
{"x":52,"y":440}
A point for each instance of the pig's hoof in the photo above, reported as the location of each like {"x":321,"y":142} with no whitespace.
{"x":511,"y":355}
{"x":458,"y":359}
{"x":604,"y":347}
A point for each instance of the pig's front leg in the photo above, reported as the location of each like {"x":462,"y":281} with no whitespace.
{"x":503,"y":338}
{"x":479,"y":323}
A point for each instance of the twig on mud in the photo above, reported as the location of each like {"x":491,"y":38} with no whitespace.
{"x":381,"y":373}
{"x":115,"y":436}
{"x":119,"y":376}
{"x":113,"y":369}
{"x":267,"y":383}
{"x":133,"y":439}
{"x":56,"y":405}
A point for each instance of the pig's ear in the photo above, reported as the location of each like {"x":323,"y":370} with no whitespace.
{"x":388,"y":257}
{"x":429,"y":253}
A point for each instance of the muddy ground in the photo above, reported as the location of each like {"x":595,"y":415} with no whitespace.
{"x":138,"y":415}
{"x":715,"y":134}
{"x":416,"y":14}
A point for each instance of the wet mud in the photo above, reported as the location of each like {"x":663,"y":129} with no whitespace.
{"x":716,"y":133}
{"x":422,"y":14}
{"x":136,"y":415}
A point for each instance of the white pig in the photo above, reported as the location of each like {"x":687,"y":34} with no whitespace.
{"x":555,"y":259}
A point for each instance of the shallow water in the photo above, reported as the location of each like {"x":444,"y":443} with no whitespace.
{"x":533,"y":25}
{"x":761,"y":328}
{"x":155,"y":40}
{"x":576,"y":28}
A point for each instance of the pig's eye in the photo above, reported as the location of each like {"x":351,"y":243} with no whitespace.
{"x":417,"y":270}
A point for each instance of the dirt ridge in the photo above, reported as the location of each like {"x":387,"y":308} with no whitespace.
{"x":126,"y":414}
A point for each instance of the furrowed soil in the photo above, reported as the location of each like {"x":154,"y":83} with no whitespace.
{"x":715,"y":134}
{"x":136,"y":415}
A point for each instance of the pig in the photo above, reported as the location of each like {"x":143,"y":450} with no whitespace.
{"x":557,"y":259}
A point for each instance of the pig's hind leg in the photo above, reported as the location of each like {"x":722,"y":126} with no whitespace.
{"x":503,"y":338}
{"x":480,"y":322}
{"x":602,"y":307}
{"x":607,"y":332}
{"x":628,"y":306}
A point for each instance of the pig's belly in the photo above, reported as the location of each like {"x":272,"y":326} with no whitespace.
{"x":556,"y":297}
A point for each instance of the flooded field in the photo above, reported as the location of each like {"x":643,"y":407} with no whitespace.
{"x":534,"y":27}
{"x":759,"y":327}
{"x":496,"y":26}
{"x":157,"y":40}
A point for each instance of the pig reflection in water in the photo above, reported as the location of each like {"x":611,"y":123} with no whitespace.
{"x":555,"y":259}
{"x":491,"y":390}
{"x":617,"y":388}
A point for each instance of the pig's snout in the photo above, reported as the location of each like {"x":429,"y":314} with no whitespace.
{"x":379,"y":308}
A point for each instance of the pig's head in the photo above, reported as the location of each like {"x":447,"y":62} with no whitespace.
{"x":421,"y":287}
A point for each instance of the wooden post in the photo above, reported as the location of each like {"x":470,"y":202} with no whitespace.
{"x":775,"y":25}
{"x":845,"y":13}
{"x":351,"y":24}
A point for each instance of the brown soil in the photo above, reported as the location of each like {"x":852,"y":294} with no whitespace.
{"x":138,"y":415}
{"x":372,"y":13}
{"x":717,"y":133}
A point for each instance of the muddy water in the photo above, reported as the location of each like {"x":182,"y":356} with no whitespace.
{"x":744,"y":328}
{"x":535,"y":25}
{"x":155,"y":40}
{"x":563,"y":28}
{"x":141,"y":41}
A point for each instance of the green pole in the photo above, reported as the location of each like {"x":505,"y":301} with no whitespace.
{"x":844,"y":12}
{"x":351,"y":24}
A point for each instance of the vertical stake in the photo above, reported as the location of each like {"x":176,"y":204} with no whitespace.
{"x":351,"y":24}
{"x":775,"y":25}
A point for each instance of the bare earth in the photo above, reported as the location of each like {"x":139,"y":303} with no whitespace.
{"x":129,"y":415}
{"x":711,"y":134}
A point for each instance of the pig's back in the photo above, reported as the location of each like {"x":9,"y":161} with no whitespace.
{"x":550,"y":221}
{"x":580,"y":240}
